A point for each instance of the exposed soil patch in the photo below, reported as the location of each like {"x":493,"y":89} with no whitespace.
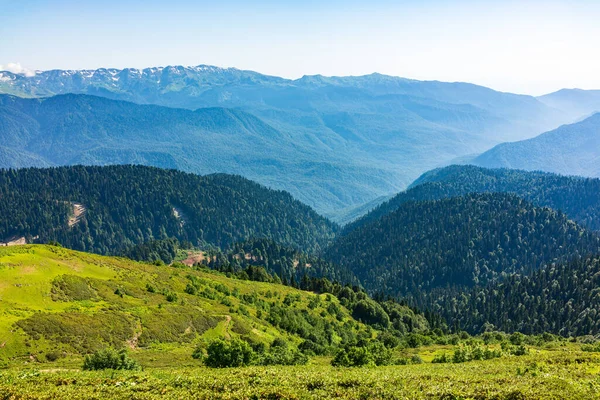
{"x":194,"y":257}
{"x":78,"y":212}
{"x":13,"y":241}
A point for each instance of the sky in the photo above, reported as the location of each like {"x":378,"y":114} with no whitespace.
{"x":528,"y":46}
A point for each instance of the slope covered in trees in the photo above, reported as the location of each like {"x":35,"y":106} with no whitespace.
{"x":128,"y":205}
{"x":458,"y":242}
{"x":79,"y":129}
{"x":578,"y":198}
{"x":562,"y":298}
{"x":292,"y":266}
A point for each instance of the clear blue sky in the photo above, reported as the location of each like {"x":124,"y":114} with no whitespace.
{"x":526,"y":46}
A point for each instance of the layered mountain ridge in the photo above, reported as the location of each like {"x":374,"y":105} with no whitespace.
{"x":345,"y":141}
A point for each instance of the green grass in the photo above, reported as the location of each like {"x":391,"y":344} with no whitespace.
{"x":568,"y":374}
{"x":58,"y":300}
{"x":39,"y":317}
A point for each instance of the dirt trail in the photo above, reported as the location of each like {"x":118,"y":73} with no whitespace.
{"x":227,"y":323}
{"x":132,"y":343}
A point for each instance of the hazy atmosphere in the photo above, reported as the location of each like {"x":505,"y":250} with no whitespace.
{"x":530,"y":46}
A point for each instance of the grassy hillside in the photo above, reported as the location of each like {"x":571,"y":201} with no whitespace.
{"x":69,"y":303}
{"x":108,"y":209}
{"x":58,"y":303}
{"x":578,"y":198}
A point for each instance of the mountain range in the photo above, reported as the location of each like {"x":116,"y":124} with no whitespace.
{"x":569,"y":150}
{"x":336,"y":143}
{"x":578,"y":198}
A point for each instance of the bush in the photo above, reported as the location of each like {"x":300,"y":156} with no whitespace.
{"x":198,"y":353}
{"x":440,"y":359}
{"x":468,"y":353}
{"x":373,"y":353}
{"x":595,"y":348}
{"x":416,"y":359}
{"x":232,"y":353}
{"x":519,"y":350}
{"x":517,"y":338}
{"x":371,"y":313}
{"x":109,"y":359}
{"x":171,"y":297}
{"x":52,"y":356}
{"x":280,"y":355}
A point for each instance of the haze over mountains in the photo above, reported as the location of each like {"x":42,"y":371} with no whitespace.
{"x":577,"y":102}
{"x":569,"y":150}
{"x":335,"y":143}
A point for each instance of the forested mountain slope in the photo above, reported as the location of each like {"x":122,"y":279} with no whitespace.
{"x":119,"y":206}
{"x":578,"y":198}
{"x":562,"y":298}
{"x":80,"y":129}
{"x":335,"y":143}
{"x":458,"y":242}
{"x":570,"y":150}
{"x":289,"y":264}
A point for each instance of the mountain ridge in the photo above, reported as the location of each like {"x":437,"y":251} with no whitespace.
{"x":571,"y":149}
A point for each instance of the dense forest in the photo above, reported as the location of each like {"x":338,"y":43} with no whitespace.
{"x":290,"y":265}
{"x":578,"y":198}
{"x":285,"y":264}
{"x":562,"y":298}
{"x":109,"y":209}
{"x":458,"y":242}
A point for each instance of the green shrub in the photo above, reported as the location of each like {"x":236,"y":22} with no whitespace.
{"x":517,"y":338}
{"x":53,"y":356}
{"x":441,"y":359}
{"x":198,"y":353}
{"x":591,"y":347}
{"x":520,"y":350}
{"x":373,"y":353}
{"x":282,"y":355}
{"x":416,"y":359}
{"x":72,"y":288}
{"x":171,"y":297}
{"x":231,"y":353}
{"x":109,"y":359}
{"x":370,"y":312}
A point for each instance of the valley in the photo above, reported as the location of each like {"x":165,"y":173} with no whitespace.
{"x":220,"y":232}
